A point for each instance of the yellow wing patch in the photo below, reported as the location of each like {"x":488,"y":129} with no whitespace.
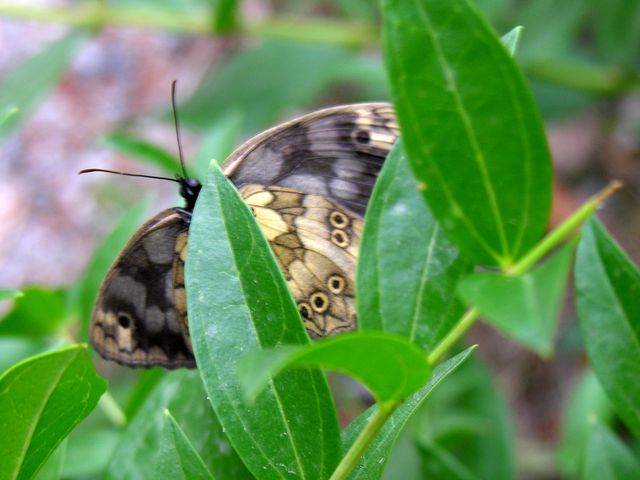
{"x":316,"y":243}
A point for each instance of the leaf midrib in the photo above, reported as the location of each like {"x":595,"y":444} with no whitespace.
{"x":239,"y":268}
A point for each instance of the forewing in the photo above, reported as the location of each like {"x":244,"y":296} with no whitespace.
{"x":336,"y":153}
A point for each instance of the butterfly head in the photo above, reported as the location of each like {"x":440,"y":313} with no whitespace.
{"x":189,"y":190}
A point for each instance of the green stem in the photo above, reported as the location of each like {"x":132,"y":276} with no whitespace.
{"x":363,"y":440}
{"x":562,"y":231}
{"x":112,"y":410}
{"x":342,"y":33}
{"x":589,"y":77}
{"x":455,"y":334}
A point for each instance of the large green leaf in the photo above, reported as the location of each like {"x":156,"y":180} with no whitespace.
{"x":607,"y":458}
{"x":470,"y":127}
{"x":391,"y":367}
{"x":526,"y":307}
{"x":404,"y":250}
{"x":607,"y":286}
{"x":41,"y":400}
{"x":238,"y":302}
{"x":178,"y":459}
{"x":26,"y":85}
{"x":183,"y":394}
{"x":373,"y":461}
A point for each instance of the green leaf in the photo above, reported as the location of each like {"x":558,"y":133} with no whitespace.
{"x":41,"y":400}
{"x":26,"y":85}
{"x":178,"y":459}
{"x":146,"y":384}
{"x":587,"y":403}
{"x":290,"y":74}
{"x":607,"y":287}
{"x":105,"y":255}
{"x":443,"y":464}
{"x":52,"y":468}
{"x":97,"y":445}
{"x":403,"y":249}
{"x":9,"y":294}
{"x":511,"y":39}
{"x":37,"y":313}
{"x":370,"y":465}
{"x":145,"y":151}
{"x":238,"y":302}
{"x":467,"y":416}
{"x":183,"y":394}
{"x":470,"y":128}
{"x":526,"y":307}
{"x":607,"y":458}
{"x":369,"y":357}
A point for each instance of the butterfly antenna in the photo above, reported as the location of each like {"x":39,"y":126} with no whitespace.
{"x":90,"y":170}
{"x":177,"y":126}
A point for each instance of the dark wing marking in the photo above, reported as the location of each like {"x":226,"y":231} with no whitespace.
{"x":336,"y":152}
{"x":135,"y":319}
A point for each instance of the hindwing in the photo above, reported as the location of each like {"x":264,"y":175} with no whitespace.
{"x":140,"y":315}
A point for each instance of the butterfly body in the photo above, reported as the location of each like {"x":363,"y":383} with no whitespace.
{"x":307,"y":182}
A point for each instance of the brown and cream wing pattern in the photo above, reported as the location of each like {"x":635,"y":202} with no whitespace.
{"x":336,"y":153}
{"x":140,"y":316}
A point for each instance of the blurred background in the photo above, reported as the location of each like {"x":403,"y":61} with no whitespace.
{"x":87,"y":85}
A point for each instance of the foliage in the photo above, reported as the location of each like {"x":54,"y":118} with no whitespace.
{"x":467,"y":186}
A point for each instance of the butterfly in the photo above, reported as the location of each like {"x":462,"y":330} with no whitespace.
{"x":307,"y":182}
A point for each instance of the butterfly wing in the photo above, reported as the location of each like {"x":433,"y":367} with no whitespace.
{"x":308,"y":183}
{"x":336,"y":153}
{"x":140,"y":315}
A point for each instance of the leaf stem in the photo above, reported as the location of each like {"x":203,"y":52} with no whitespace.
{"x":562,"y":231}
{"x":467,"y":320}
{"x":364,"y":439}
{"x":112,"y":410}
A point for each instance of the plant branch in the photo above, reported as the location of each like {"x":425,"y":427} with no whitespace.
{"x":363,"y":440}
{"x":588,"y":77}
{"x":455,"y":334}
{"x":96,"y":16}
{"x":562,"y":231}
{"x":553,"y":239}
{"x":112,"y":410}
